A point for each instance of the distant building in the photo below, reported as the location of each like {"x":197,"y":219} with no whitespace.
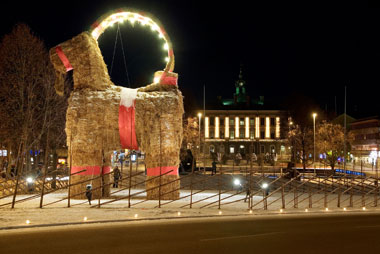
{"x":244,"y":125}
{"x":366,"y":143}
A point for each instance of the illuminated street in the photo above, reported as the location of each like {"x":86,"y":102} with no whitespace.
{"x":248,"y":234}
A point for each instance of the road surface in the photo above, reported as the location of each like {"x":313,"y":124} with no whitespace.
{"x":327,"y":233}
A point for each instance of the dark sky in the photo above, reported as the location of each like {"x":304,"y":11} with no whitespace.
{"x":314,"y":49}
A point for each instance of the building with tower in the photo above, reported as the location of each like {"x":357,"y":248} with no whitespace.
{"x":244,"y":124}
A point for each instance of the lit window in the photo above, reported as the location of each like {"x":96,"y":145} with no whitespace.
{"x":226,"y":126}
{"x":247,"y":127}
{"x":257,"y":127}
{"x":216,"y":127}
{"x":277,"y":127}
{"x":267,"y":127}
{"x":236,"y":127}
{"x":206,"y":127}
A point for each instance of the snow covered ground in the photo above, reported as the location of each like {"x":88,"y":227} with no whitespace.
{"x":29,"y":214}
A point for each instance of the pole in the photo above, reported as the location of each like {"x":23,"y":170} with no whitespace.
{"x":199,"y":134}
{"x":159,"y":187}
{"x":376,"y":186}
{"x":314,"y":116}
{"x":314,"y":138}
{"x":191,"y":184}
{"x":204,"y":112}
{"x":71,"y":162}
{"x":18,"y":172}
{"x":130,"y":179}
{"x":345,"y":132}
{"x":45,"y":167}
{"x":101,"y":178}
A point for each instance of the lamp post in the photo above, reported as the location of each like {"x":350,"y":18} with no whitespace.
{"x":314,"y":116}
{"x":199,"y":133}
{"x":293,"y":157}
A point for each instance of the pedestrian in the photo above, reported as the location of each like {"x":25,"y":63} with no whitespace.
{"x":189,"y":162}
{"x":89,"y":193}
{"x":13,"y":170}
{"x":238,"y":158}
{"x":121,"y":158}
{"x":116,"y":177}
{"x":213,"y":169}
{"x":248,"y":192}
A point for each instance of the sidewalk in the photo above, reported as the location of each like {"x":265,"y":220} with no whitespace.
{"x":27,"y":214}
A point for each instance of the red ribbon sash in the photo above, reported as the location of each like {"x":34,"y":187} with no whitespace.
{"x":156,"y":171}
{"x":127,"y":129}
{"x":63,"y":58}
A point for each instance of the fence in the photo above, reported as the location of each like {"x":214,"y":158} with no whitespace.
{"x":242,"y":188}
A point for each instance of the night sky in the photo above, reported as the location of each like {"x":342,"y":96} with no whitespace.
{"x":312,"y":49}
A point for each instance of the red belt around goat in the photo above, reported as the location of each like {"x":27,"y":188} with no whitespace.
{"x":63,"y":58}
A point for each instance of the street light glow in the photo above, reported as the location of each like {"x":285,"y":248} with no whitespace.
{"x":264,"y":186}
{"x":314,"y":116}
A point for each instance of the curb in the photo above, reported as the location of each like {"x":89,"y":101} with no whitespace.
{"x":332,"y":212}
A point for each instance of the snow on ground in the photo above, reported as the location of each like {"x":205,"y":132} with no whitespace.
{"x":141,"y":209}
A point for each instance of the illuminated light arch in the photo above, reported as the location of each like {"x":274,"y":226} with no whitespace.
{"x":133,"y":16}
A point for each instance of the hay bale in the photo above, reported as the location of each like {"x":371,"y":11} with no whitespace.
{"x":92,"y":131}
{"x":86,"y":59}
{"x":159,"y":116}
{"x":166,"y":187}
{"x":92,"y":118}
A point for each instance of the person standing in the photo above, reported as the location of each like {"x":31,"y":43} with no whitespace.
{"x":116,"y":177}
{"x":213,"y":172}
{"x":248,"y":191}
{"x":89,"y":193}
{"x":238,"y":158}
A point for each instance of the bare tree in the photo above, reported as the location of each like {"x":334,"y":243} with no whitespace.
{"x":301,"y":140}
{"x":190,"y":132}
{"x":29,"y":104}
{"x":300,"y":135}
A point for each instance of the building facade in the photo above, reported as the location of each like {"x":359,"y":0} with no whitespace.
{"x":245,"y":131}
{"x":366,"y":143}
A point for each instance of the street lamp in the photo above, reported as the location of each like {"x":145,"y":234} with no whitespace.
{"x":199,"y":133}
{"x":314,"y":116}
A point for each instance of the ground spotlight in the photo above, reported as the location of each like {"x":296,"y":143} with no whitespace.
{"x":85,"y":219}
{"x":264,"y":185}
{"x":136,"y":215}
{"x":27,"y":222}
{"x":220,"y":212}
{"x":237,"y":181}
